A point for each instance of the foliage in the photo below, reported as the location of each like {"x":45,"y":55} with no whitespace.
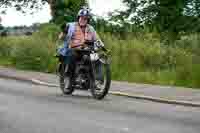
{"x":138,"y":57}
{"x":172,"y":16}
{"x":66,"y":10}
{"x":61,"y":10}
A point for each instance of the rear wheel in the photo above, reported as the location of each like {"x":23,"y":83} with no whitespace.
{"x":65,"y":80}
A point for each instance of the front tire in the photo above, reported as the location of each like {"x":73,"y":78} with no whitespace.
{"x":105,"y":89}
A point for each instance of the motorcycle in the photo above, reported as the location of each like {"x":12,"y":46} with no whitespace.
{"x":91,"y":73}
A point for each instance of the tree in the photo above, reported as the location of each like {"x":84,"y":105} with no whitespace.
{"x":66,"y":10}
{"x":172,"y":16}
{"x":1,"y":26}
{"x":60,"y":9}
{"x":20,"y":5}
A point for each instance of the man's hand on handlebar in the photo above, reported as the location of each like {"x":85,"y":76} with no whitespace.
{"x":89,"y":42}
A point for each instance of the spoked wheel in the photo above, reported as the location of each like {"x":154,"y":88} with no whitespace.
{"x":65,"y":81}
{"x":101,"y":85}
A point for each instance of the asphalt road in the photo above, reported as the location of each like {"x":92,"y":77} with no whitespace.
{"x":27,"y":108}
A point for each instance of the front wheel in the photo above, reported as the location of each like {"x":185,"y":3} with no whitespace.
{"x":101,"y":86}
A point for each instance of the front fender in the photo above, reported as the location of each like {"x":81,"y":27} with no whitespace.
{"x":105,"y":60}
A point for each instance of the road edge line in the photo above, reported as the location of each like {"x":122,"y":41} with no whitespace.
{"x":117,"y":93}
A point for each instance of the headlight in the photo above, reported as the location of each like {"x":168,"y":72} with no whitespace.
{"x":99,"y":44}
{"x":96,"y":47}
{"x":94,"y":57}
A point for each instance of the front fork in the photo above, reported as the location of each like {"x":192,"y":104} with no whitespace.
{"x":96,"y":71}
{"x":92,"y":72}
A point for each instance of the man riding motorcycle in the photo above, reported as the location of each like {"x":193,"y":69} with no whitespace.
{"x":75,"y":35}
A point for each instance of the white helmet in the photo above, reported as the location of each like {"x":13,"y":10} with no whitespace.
{"x":84,"y":12}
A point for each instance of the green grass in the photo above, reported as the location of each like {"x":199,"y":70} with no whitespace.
{"x":145,"y":59}
{"x":141,"y":59}
{"x":6,"y":61}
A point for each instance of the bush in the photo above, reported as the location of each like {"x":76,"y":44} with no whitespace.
{"x":32,"y":52}
{"x":141,"y":58}
{"x":5,"y":48}
{"x":47,"y":31}
{"x":146,"y":60}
